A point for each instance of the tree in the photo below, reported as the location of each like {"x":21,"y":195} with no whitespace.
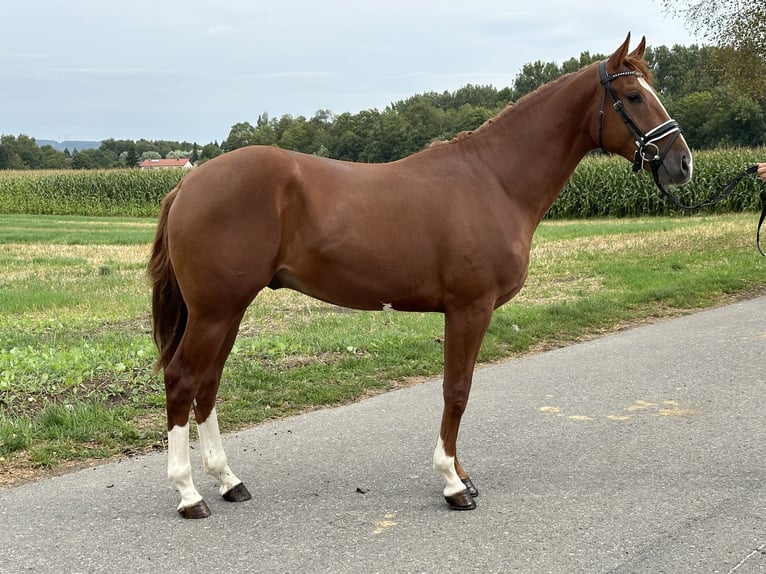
{"x":348,"y":141}
{"x":683,"y":70}
{"x":24,"y":150}
{"x":386,"y":136}
{"x":52,"y":159}
{"x":468,"y":117}
{"x":81,"y":160}
{"x":534,"y":75}
{"x":210,"y":151}
{"x":241,"y":134}
{"x":178,"y":154}
{"x":131,"y":158}
{"x":299,"y":136}
{"x":738,"y":28}
{"x":478,"y":97}
{"x":738,"y":24}
{"x":585,"y":59}
{"x":720,"y":117}
{"x":9,"y":159}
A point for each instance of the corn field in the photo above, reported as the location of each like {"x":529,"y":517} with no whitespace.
{"x":606,"y":187}
{"x":602,"y":186}
{"x":128,"y":192}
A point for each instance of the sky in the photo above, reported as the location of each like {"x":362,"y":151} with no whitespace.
{"x":189,"y":70}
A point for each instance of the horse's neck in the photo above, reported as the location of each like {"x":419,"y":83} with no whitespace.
{"x":534,"y":147}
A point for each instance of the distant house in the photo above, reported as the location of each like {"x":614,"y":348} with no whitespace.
{"x":166,"y":164}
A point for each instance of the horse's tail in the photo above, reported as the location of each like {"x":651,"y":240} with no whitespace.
{"x":169,"y":312}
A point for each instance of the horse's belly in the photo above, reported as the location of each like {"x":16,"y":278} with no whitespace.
{"x":362,"y":289}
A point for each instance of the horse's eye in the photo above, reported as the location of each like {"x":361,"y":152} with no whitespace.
{"x":634,"y":98}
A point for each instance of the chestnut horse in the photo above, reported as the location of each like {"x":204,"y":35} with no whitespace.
{"x":447,"y":230}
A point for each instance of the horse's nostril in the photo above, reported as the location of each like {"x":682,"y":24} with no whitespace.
{"x":685,"y":165}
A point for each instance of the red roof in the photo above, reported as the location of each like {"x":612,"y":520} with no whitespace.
{"x":160,"y":163}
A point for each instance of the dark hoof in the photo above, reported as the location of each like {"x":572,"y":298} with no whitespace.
{"x":471,"y":488}
{"x":199,"y":510}
{"x":237,"y":494}
{"x":461,"y":501}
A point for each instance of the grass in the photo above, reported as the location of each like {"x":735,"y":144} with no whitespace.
{"x":76,"y":350}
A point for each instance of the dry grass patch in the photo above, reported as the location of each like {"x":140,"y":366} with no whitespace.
{"x":89,"y":254}
{"x":689,"y":235}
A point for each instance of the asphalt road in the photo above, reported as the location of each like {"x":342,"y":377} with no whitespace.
{"x":638,"y":452}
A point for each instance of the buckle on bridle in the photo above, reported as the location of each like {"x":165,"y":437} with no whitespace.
{"x":654,"y":157}
{"x":641,"y":156}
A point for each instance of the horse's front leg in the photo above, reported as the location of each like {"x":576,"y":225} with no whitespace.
{"x":463,"y":333}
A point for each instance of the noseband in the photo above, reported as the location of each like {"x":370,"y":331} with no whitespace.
{"x":646,"y":143}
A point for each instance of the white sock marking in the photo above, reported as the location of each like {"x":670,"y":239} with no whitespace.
{"x":213,"y":455}
{"x":179,"y":466}
{"x":445,"y":465}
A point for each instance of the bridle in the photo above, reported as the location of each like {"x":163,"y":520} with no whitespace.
{"x":647,"y":150}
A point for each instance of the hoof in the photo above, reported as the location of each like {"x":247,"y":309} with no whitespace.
{"x":237,"y":494}
{"x":461,"y":501}
{"x":472,"y":490}
{"x":198,"y":510}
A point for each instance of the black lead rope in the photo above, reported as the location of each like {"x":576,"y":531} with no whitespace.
{"x":717,"y":196}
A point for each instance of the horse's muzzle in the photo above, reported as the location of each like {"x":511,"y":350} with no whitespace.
{"x":676,"y":168}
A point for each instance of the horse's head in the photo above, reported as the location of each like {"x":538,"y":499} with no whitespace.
{"x":635,"y":124}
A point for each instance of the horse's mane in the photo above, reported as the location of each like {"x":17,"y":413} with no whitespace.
{"x":638,"y":64}
{"x":468,"y":133}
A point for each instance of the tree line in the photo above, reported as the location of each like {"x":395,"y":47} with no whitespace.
{"x":22,"y":152}
{"x":712,"y":106}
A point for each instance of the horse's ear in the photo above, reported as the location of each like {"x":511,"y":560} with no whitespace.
{"x":640,"y":49}
{"x":616,"y":59}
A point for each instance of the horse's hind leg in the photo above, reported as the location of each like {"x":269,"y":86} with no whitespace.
{"x":215,"y":463}
{"x":192,"y":504}
{"x":213,"y":455}
{"x":193,"y":371}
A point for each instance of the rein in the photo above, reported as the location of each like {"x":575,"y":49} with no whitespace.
{"x":719,"y":195}
{"x":647,"y":150}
